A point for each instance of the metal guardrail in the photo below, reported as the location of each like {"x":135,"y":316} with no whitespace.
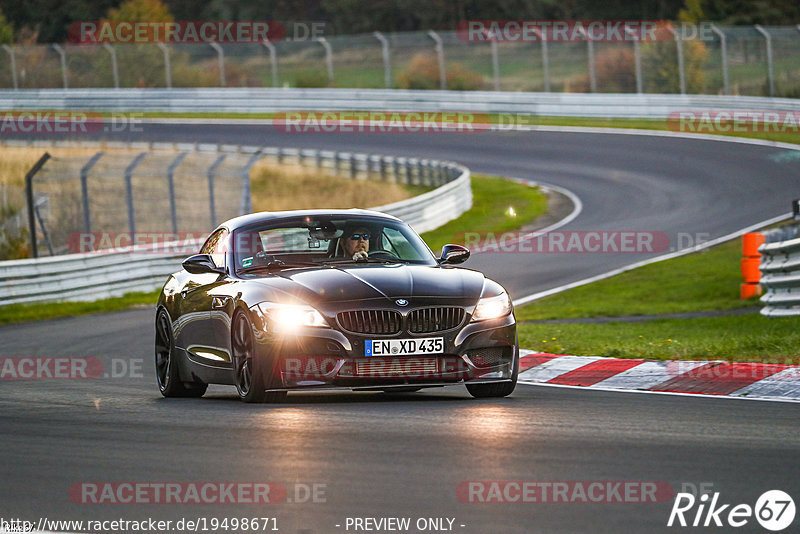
{"x":92,"y":276}
{"x":268,"y":100}
{"x":780,"y":268}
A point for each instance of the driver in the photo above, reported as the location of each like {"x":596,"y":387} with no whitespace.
{"x":355,"y":242}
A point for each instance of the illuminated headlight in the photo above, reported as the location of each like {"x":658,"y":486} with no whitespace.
{"x":492,"y":307}
{"x":286,"y":318}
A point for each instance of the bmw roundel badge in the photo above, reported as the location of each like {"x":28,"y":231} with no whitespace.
{"x":401,"y":302}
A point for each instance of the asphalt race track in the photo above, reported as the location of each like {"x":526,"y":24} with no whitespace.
{"x":405,"y":455}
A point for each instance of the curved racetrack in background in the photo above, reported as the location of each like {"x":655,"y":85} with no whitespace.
{"x":404,"y":456}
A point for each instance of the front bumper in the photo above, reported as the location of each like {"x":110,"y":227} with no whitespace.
{"x":321,"y":358}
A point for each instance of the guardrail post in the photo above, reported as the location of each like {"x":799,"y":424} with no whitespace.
{"x":173,"y":212}
{"x":167,"y":67}
{"x":63,"y":58}
{"x":724,"y":51}
{"x":212,"y":205}
{"x":29,"y":198}
{"x":87,"y":217}
{"x":387,"y":65}
{"x":353,"y":166}
{"x":220,"y":61}
{"x":770,"y":66}
{"x":114,"y":66}
{"x":751,"y":260}
{"x":328,"y":58}
{"x":440,"y":57}
{"x":129,"y":192}
{"x":273,"y":61}
{"x":13,"y":63}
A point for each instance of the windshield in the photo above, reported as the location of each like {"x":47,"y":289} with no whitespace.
{"x":312,"y":241}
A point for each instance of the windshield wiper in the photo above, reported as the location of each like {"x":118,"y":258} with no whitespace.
{"x":275,"y":265}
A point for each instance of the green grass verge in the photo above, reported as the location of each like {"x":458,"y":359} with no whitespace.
{"x":742,"y":338}
{"x":491,"y":198}
{"x":17,"y":313}
{"x":706,"y":280}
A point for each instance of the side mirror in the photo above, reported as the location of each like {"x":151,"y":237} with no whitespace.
{"x":201,"y":264}
{"x":453,"y":254}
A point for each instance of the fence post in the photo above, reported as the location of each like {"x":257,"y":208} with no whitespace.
{"x":495,"y":64}
{"x":770,"y":66}
{"x":173,"y":212}
{"x":114,"y":66}
{"x":87,"y":217}
{"x":328,"y":58}
{"x":545,"y":58}
{"x":681,"y":64}
{"x":167,"y":66}
{"x":637,"y":58}
{"x":724,"y":50}
{"x":129,"y":193}
{"x":211,"y":197}
{"x":247,"y":200}
{"x":13,"y":64}
{"x":221,"y":61}
{"x":29,"y":198}
{"x":63,"y":58}
{"x":273,"y":60}
{"x":440,"y":56}
{"x":387,"y":64}
{"x":590,"y":51}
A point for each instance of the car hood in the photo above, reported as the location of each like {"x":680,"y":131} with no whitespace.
{"x":391,"y":282}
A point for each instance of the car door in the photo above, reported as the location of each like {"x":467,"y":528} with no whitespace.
{"x":199,"y":307}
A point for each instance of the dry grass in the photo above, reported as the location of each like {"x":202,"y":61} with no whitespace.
{"x":16,"y":161}
{"x":282,"y":187}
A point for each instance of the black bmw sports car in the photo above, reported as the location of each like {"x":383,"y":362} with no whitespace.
{"x":331,"y":299}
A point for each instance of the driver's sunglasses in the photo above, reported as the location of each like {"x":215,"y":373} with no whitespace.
{"x":356,"y":237}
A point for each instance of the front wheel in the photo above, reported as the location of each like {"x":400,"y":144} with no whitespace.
{"x":167,"y":374}
{"x":247,"y":368}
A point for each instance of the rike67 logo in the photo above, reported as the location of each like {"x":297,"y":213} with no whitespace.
{"x":774,"y":510}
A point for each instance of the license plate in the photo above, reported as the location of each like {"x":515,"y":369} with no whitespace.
{"x":403,"y":347}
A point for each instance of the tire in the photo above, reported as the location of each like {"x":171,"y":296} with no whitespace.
{"x":247,"y":368}
{"x":499,"y":389}
{"x":167,"y":374}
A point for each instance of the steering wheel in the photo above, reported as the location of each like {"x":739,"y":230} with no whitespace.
{"x":383,"y":254}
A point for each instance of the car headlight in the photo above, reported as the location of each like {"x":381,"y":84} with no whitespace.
{"x":288,"y":318}
{"x":492,"y":307}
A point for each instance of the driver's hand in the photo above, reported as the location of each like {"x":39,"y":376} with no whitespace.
{"x":360,"y":255}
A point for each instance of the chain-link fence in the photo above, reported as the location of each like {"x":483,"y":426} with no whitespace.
{"x":746,"y":60}
{"x":112,"y":200}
